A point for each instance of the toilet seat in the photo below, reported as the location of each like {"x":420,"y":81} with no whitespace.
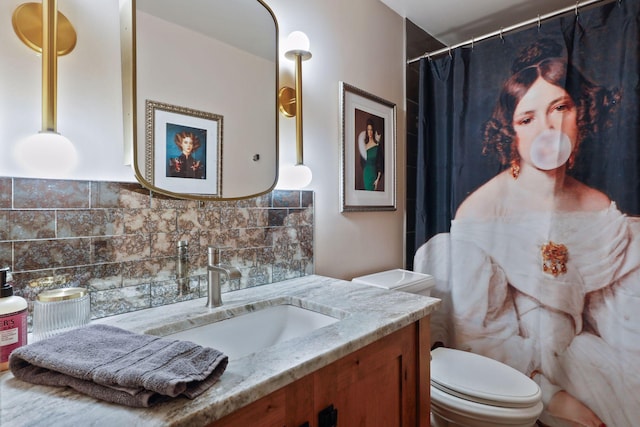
{"x":466,"y":386}
{"x":480,"y":379}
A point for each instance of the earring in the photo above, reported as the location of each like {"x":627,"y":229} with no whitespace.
{"x":515,"y":168}
{"x":572,"y":161}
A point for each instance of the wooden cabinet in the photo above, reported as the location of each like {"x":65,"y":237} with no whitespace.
{"x":385,"y":384}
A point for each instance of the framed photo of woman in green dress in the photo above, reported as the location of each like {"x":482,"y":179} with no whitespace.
{"x":368,"y":151}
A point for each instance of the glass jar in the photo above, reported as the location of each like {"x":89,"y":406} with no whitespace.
{"x":60,"y":310}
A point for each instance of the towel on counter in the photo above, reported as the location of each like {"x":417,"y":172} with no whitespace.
{"x":119,"y":366}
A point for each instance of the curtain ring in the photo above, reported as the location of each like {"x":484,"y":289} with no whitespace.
{"x":539,"y":23}
{"x":577,"y":3}
{"x":450,"y":56}
{"x":501,"y":38}
{"x":472,"y":40}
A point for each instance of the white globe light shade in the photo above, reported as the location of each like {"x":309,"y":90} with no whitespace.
{"x":297,"y":41}
{"x":294,"y":177}
{"x":46,"y":155}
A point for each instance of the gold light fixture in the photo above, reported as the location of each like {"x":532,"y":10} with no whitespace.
{"x":290,"y":102}
{"x":42,"y":28}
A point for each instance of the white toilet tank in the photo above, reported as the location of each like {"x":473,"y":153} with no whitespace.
{"x":399,"y":280}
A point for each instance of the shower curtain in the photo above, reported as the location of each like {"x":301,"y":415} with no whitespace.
{"x":528,"y":207}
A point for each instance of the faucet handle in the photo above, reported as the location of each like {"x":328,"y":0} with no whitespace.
{"x":213,"y":253}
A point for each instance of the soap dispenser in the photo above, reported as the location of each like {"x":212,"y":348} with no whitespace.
{"x":13,"y":320}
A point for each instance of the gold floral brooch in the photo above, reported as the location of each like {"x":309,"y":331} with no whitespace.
{"x":554,"y":258}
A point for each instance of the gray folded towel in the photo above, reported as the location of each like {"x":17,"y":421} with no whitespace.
{"x":119,"y":366}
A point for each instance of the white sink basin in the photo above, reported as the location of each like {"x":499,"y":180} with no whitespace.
{"x":253,"y":331}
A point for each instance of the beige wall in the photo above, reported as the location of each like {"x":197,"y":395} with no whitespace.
{"x":359,"y":42}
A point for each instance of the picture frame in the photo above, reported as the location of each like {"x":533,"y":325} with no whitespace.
{"x":368,"y":178}
{"x":169,"y":163}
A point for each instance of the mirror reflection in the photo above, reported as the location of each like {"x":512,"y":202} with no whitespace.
{"x":202,"y":113}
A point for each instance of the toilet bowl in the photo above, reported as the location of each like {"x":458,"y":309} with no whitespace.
{"x":471,"y":390}
{"x":467,"y":389}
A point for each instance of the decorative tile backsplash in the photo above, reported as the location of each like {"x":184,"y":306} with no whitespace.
{"x":119,"y":240}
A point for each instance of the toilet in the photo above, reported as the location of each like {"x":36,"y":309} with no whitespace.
{"x":467,"y":389}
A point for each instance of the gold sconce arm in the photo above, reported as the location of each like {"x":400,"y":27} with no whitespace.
{"x":290,"y":100}
{"x":42,"y":28}
{"x":49,"y":66}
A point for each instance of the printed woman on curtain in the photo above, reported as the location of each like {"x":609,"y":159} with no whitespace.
{"x":550,"y":281}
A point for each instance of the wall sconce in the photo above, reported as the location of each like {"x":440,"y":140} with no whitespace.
{"x":42,"y":28}
{"x":290,"y":102}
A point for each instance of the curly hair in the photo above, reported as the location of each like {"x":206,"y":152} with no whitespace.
{"x":543,"y":59}
{"x":182,"y":135}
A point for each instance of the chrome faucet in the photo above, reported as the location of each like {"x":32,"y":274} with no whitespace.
{"x":214,"y":269}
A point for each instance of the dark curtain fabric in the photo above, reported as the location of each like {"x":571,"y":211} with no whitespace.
{"x":458,"y":93}
{"x":536,"y":256}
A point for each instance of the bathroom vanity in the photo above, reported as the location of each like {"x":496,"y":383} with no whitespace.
{"x":374,"y":386}
{"x":370,"y":367}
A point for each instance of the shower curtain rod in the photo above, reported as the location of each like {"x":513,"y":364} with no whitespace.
{"x":502,"y":31}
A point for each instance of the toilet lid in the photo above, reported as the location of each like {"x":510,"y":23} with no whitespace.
{"x":481,"y":379}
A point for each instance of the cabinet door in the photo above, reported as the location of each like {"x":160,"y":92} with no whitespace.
{"x":266,"y":412}
{"x":385,"y":384}
{"x":299,"y":403}
{"x":374,"y":386}
{"x":291,"y":406}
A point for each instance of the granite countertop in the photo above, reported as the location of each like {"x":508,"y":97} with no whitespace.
{"x":367,"y":314}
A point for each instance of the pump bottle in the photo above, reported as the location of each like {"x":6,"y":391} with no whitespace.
{"x":13,"y":320}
